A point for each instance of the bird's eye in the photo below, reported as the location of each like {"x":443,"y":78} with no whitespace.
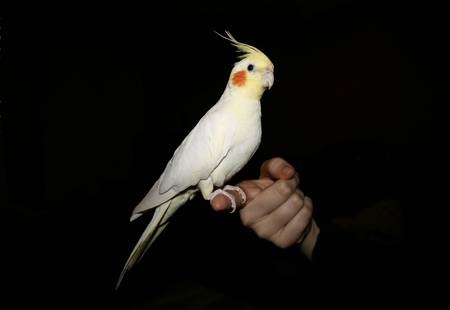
{"x":250,"y":67}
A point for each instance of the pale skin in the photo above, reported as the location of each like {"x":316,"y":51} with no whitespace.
{"x":276,"y":209}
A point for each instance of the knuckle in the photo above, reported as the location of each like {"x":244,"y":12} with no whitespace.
{"x":308,"y":212}
{"x":309,"y":203}
{"x":284,"y":187}
{"x":283,"y":243}
{"x":297,"y":200}
{"x":263,"y":233}
{"x":280,"y":240}
{"x":245,"y":220}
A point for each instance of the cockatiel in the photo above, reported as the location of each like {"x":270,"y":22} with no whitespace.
{"x":219,"y":146}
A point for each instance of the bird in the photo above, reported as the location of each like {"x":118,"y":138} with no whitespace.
{"x":219,"y":146}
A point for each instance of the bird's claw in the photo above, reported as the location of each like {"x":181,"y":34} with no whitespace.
{"x":229,"y":196}
{"x":239,"y":190}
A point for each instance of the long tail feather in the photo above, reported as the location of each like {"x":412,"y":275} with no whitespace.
{"x":157,"y":225}
{"x":147,"y":238}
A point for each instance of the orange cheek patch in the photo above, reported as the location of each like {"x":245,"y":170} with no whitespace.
{"x":239,"y":78}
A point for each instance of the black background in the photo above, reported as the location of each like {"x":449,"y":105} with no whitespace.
{"x":96,"y":101}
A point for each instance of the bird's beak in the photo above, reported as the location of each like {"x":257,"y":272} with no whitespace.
{"x":268,"y":79}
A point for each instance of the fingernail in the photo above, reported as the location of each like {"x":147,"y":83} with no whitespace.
{"x":287,"y":170}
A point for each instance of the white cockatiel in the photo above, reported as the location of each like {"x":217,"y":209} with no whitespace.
{"x":221,"y":143}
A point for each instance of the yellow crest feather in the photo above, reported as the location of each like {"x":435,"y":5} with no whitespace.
{"x":246,"y":49}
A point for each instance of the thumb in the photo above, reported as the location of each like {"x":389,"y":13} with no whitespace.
{"x":277,"y":168}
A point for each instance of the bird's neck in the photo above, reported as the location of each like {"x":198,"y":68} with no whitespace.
{"x":245,"y":105}
{"x":252,"y":92}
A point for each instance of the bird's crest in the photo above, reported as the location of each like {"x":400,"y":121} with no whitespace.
{"x":246,"y":49}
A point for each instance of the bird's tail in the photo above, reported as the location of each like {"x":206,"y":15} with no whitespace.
{"x":151,"y":232}
{"x":158,"y":223}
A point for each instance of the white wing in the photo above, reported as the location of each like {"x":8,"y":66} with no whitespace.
{"x":195,"y":159}
{"x":200,"y":152}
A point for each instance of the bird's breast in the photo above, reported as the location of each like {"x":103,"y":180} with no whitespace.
{"x":246,"y":139}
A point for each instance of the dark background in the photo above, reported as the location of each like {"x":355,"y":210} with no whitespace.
{"x":94,"y":102}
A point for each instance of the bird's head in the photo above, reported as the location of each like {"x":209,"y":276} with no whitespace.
{"x":253,"y":74}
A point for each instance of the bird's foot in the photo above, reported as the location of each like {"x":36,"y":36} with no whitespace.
{"x":239,"y":190}
{"x":229,"y":196}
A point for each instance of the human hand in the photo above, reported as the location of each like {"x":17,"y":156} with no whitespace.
{"x":276,"y":209}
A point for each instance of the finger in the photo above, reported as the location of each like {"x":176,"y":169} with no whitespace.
{"x":274,"y":222}
{"x":251,"y":189}
{"x":268,"y":200}
{"x":298,"y":227}
{"x":222,"y":202}
{"x":277,"y":168}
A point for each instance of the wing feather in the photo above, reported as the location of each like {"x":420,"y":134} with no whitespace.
{"x":195,"y":159}
{"x":199,"y":154}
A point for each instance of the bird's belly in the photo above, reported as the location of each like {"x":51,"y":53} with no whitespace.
{"x":237,"y":158}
